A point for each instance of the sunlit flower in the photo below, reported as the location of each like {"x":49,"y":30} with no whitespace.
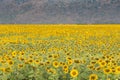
{"x":117,"y":70}
{"x":56,"y":64}
{"x":10,"y":62}
{"x":107,"y":70}
{"x":102,"y":63}
{"x":93,"y":77}
{"x":74,"y":73}
{"x":20,"y":66}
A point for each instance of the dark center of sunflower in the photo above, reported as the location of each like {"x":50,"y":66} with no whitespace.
{"x":74,"y":73}
{"x":92,"y":77}
{"x":107,"y":70}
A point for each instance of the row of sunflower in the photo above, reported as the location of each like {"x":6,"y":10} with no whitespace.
{"x":59,"y":52}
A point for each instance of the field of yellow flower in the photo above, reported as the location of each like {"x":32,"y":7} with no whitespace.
{"x":59,"y":52}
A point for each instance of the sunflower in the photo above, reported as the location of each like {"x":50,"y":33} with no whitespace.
{"x":102,"y":64}
{"x":107,"y":61}
{"x":74,"y":73}
{"x":55,"y":56}
{"x":3,"y":61}
{"x":20,"y":66}
{"x":65,"y":66}
{"x":8,"y":69}
{"x":114,"y":64}
{"x":26,"y":62}
{"x":48,"y":70}
{"x":42,"y":64}
{"x":10,"y":62}
{"x":53,"y":71}
{"x":100,"y":60}
{"x":93,"y":62}
{"x":21,"y":53}
{"x":14,"y":53}
{"x":68,"y":58}
{"x":83,"y":61}
{"x":2,"y":69}
{"x":117,"y":69}
{"x":47,"y":62}
{"x":113,"y":70}
{"x":65,"y":70}
{"x":61,"y":63}
{"x":70,"y":62}
{"x":77,"y":61}
{"x":50,"y":56}
{"x":30,"y":61}
{"x":96,"y":59}
{"x":98,"y":68}
{"x":37,"y":61}
{"x":93,"y":77}
{"x":90,"y":66}
{"x":21,"y":58}
{"x":107,"y":70}
{"x":56,"y":64}
{"x":30,"y":56}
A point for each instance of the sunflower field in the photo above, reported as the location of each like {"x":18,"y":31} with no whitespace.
{"x":59,"y":52}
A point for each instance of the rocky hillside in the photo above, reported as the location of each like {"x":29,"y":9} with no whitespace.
{"x":59,"y":11}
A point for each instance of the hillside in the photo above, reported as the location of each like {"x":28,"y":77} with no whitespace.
{"x":59,"y":11}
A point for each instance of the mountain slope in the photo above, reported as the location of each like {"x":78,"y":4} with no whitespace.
{"x":60,"y":11}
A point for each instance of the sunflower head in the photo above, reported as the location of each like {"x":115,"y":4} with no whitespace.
{"x":70,"y":62}
{"x":37,"y":61}
{"x":117,"y":69}
{"x":107,"y":70}
{"x":56,"y":64}
{"x":93,"y":77}
{"x":10,"y":62}
{"x":102,"y":63}
{"x":74,"y":73}
{"x":20,"y":66}
{"x":98,"y":68}
{"x":65,"y":67}
{"x":65,"y":70}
